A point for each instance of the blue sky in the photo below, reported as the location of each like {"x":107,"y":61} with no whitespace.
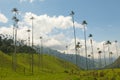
{"x":102,"y":16}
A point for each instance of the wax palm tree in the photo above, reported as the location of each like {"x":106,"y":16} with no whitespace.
{"x":28,"y":36}
{"x":15,"y":11}
{"x":100,"y":64}
{"x":72,"y":15}
{"x":84,"y":23}
{"x":91,"y":42}
{"x":41,"y":52}
{"x":79,"y":52}
{"x":116,"y":42}
{"x":16,"y":21}
{"x":89,"y":56}
{"x":108,"y":43}
{"x":67,"y":64}
{"x":32,"y":61}
{"x":14,"y":60}
{"x":66,"y":48}
{"x":29,"y":46}
{"x":78,"y":46}
{"x":116,"y":46}
{"x":104,"y":53}
{"x":110,"y":57}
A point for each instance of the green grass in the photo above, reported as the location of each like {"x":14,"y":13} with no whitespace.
{"x":52,"y":69}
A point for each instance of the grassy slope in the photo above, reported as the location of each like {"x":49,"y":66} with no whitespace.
{"x":53,"y":70}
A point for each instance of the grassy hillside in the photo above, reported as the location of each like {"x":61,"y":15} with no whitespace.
{"x":52,"y":69}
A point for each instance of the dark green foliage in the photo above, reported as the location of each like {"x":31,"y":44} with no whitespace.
{"x":113,"y":78}
{"x":7,"y":46}
{"x":102,"y":74}
{"x":25,"y":49}
{"x":66,"y":71}
{"x":95,"y":79}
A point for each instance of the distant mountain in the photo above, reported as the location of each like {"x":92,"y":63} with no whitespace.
{"x":115,"y":64}
{"x":81,"y":61}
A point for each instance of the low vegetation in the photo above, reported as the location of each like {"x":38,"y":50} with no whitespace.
{"x":51,"y":68}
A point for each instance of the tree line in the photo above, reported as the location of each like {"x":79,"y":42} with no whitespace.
{"x":7,"y":45}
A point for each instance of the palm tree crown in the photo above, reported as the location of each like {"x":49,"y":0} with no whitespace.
{"x":72,"y":13}
{"x":32,"y":18}
{"x":108,"y":42}
{"x":28,"y":30}
{"x":84,"y":23}
{"x":99,"y":52}
{"x":78,"y":45}
{"x":116,"y":41}
{"x":90,"y":35}
{"x":15,"y":10}
{"x":89,"y":55}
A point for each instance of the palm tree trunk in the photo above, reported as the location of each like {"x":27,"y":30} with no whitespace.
{"x":85,"y":48}
{"x":117,"y":56}
{"x":104,"y":54}
{"x":14,"y":62}
{"x":92,"y":53}
{"x":32,"y":61}
{"x":100,"y":61}
{"x":41,"y":52}
{"x":109,"y":53}
{"x":75,"y":40}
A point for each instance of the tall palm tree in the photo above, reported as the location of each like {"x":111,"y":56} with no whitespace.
{"x":100,"y":64}
{"x":28,"y":36}
{"x":66,"y":48}
{"x":91,"y":42}
{"x":32,"y":61}
{"x":15,"y":19}
{"x":89,"y":61}
{"x":84,"y":23}
{"x":41,"y":52}
{"x":108,"y":43}
{"x":67,"y":64}
{"x":116,"y":46}
{"x":29,"y":46}
{"x":78,"y":46}
{"x":104,"y":53}
{"x":116,"y":43}
{"x":72,"y":15}
{"x":110,"y":57}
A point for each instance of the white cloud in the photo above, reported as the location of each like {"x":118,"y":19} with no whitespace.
{"x":5,"y":30}
{"x":30,"y":0}
{"x":3,"y":18}
{"x":44,"y":24}
{"x":21,"y":32}
{"x":59,"y":42}
{"x":56,"y":42}
{"x":27,"y":0}
{"x":96,"y":45}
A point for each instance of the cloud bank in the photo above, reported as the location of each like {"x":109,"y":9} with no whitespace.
{"x":44,"y":25}
{"x":3,"y":18}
